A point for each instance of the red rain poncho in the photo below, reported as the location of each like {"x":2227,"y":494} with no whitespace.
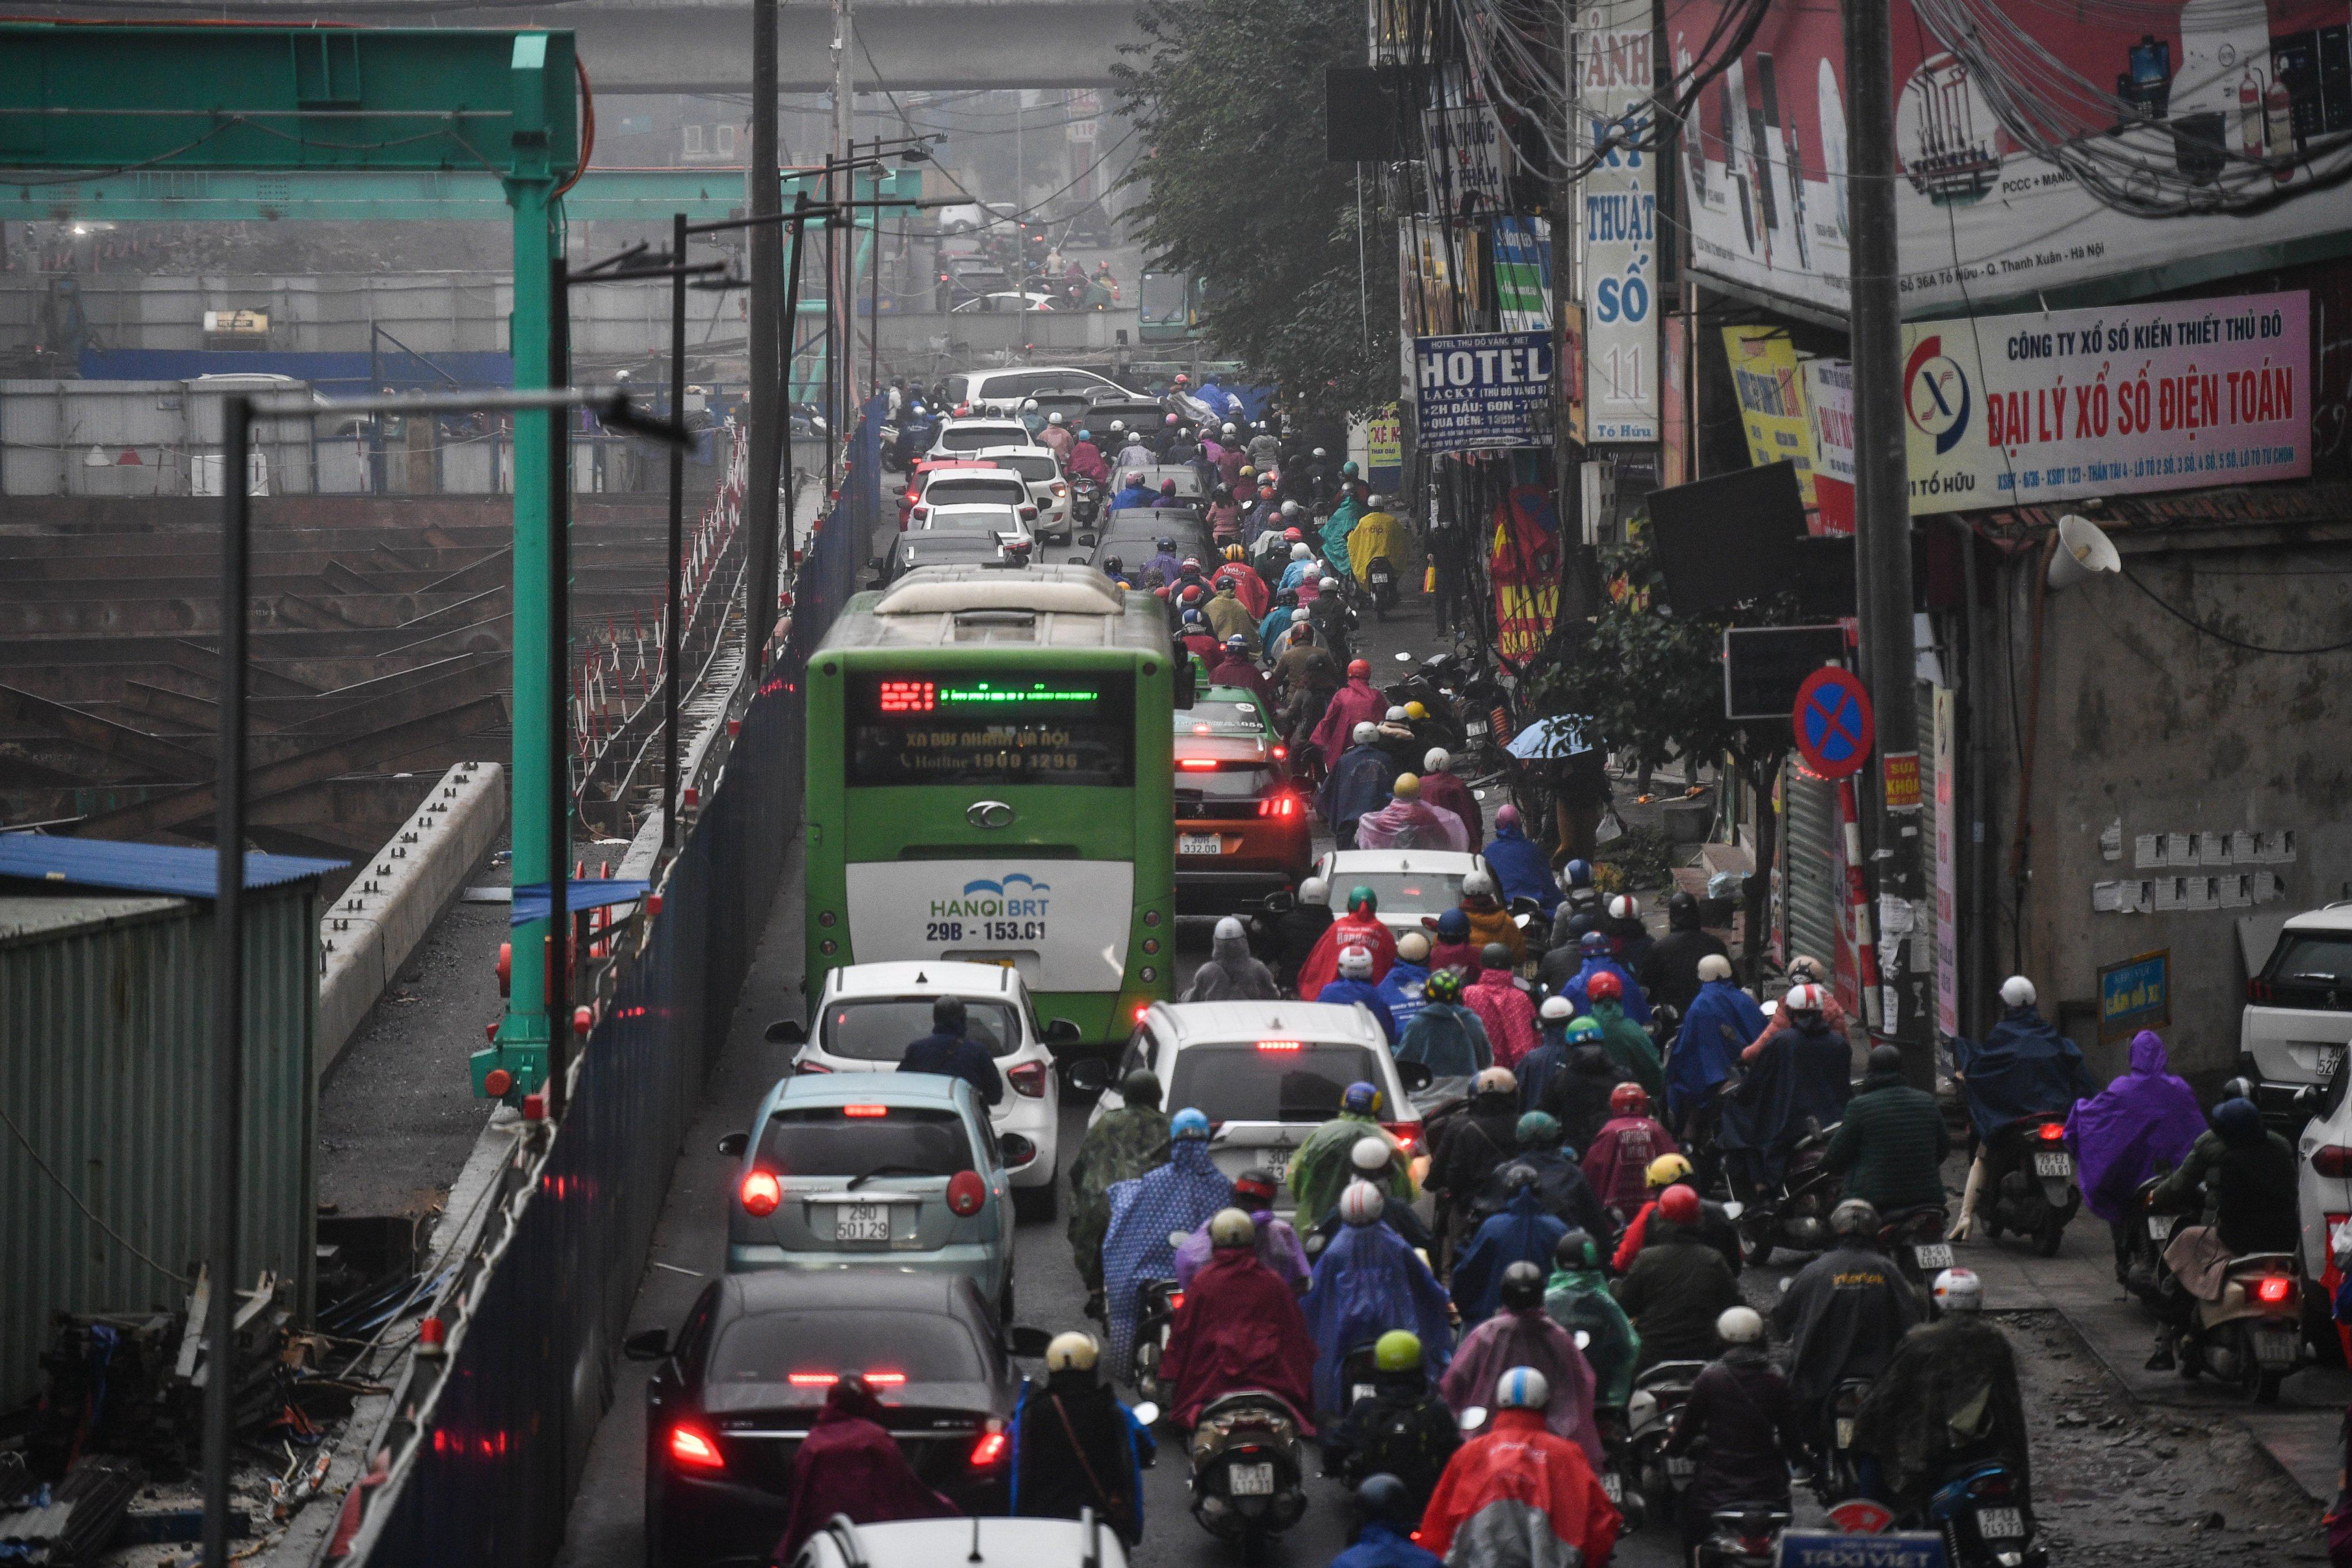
{"x":1239,"y":1328}
{"x":1509,"y":1016}
{"x":1322,"y":965}
{"x":850,"y":1464}
{"x":1521,"y":1496}
{"x":1618,"y":1163}
{"x":1355,"y":703}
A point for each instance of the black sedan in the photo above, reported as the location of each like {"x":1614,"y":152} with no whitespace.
{"x":740,"y":1387}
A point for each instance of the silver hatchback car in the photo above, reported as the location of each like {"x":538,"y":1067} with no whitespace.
{"x":897,"y":1171}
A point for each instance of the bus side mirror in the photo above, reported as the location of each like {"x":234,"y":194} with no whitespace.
{"x":1188,"y":684}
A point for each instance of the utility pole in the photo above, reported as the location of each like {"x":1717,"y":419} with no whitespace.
{"x":1883,"y":540}
{"x":840,"y":285}
{"x":770,"y":388}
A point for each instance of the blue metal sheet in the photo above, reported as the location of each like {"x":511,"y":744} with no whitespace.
{"x":337,"y":373}
{"x":531,"y":898}
{"x":177,"y":870}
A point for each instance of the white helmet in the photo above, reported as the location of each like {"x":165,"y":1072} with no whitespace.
{"x":1494,"y":1080}
{"x":1802,"y":967}
{"x":1413,"y":947}
{"x":1364,"y":733}
{"x":1054,"y":418}
{"x":1740,"y":1326}
{"x":1437,"y":761}
{"x":1395,"y":715}
{"x":1299,"y":552}
{"x":1806,"y":998}
{"x":1314,"y":890}
{"x":1328,"y":583}
{"x":1476,"y":882}
{"x":2017,"y":990}
{"x":1027,"y":404}
{"x":1072,"y":1349}
{"x":1624,"y":907}
{"x":1290,"y":509}
{"x":1375,"y":503}
{"x":1370,"y":1154}
{"x":1117,"y":426}
{"x":1229,"y":930}
{"x":1361,"y":1204}
{"x":1715,"y":966}
{"x":1356,"y":963}
{"x":1319,"y":451}
{"x":1229,"y":428}
{"x":1555,"y":1010}
{"x":1960,"y":1290}
{"x":1231,"y":1227}
{"x":1522,"y":1388}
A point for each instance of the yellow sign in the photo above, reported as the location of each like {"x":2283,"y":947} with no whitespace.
{"x":1385,"y":442}
{"x":246,"y":321}
{"x":1771,"y":399}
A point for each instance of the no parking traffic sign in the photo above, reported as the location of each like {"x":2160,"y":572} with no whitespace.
{"x":1834,"y":723}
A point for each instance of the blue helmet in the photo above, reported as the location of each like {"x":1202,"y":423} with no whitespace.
{"x":1188,"y":1123}
{"x":1361,"y":1098}
{"x":1593,"y":943}
{"x":2238,"y":1122}
{"x":1578,"y":873}
{"x":1085,"y":435}
{"x":1453,"y":925}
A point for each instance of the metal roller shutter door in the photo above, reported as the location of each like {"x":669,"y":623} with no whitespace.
{"x":1811,"y":853}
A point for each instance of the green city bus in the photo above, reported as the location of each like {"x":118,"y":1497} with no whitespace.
{"x":989,"y":781}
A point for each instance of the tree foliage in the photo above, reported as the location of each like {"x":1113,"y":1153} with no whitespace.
{"x":1225,"y":96}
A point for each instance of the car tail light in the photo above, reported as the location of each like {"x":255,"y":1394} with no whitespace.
{"x":1028,"y":514}
{"x":990,"y":1449}
{"x":1406,"y":1133}
{"x":2051,"y":1131}
{"x":1280,"y":1046}
{"x":811,"y":1066}
{"x":1060,"y":488}
{"x":812,"y":1379}
{"x":1278,"y":805}
{"x":886,"y":1379}
{"x":1197,"y":764}
{"x":1280,"y":753}
{"x":2333,"y":1161}
{"x":1029,"y":1080}
{"x":2273,"y":1289}
{"x":966,"y":1193}
{"x":692,"y":1448}
{"x":2258,"y":991}
{"x":865,"y":1112}
{"x":762,"y":1192}
{"x":919,"y":512}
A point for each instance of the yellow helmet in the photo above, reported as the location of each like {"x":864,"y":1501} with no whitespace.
{"x":1667,"y":1170}
{"x":1415,"y":711}
{"x":1235,"y":552}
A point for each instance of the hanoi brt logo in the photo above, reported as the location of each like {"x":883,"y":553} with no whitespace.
{"x":984,"y":898}
{"x":1935,"y":393}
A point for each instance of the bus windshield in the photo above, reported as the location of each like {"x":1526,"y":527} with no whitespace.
{"x":1044,"y":727}
{"x":1164,"y":297}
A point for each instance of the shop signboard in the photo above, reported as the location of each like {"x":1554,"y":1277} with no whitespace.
{"x":1617,"y":217}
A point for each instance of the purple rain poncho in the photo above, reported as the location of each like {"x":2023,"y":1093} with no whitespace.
{"x":2145,"y":1118}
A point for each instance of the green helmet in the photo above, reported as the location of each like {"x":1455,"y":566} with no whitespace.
{"x":1361,"y":898}
{"x":1446,"y":985}
{"x":1396,"y":1351}
{"x":1585,"y":1028}
{"x":1538,"y":1130}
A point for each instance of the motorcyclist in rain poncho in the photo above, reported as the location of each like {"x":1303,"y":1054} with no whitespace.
{"x":1120,"y":1147}
{"x":1232,"y":973}
{"x":1176,"y":1197}
{"x":1403,"y":1428}
{"x":2145,"y":1120}
{"x":1277,"y":1243}
{"x":1577,"y":1295}
{"x":1522,"y":1233}
{"x":1949,"y":1398}
{"x":1799,"y":1084}
{"x":1628,"y":1042}
{"x":1722,"y":1020}
{"x":1521,"y":1333}
{"x":2022,"y":1068}
{"x":1322,"y":1169}
{"x":1367,"y":1282}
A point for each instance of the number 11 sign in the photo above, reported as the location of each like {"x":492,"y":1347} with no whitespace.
{"x":1617,"y":218}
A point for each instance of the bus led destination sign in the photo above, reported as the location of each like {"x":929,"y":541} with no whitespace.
{"x":1062,"y":730}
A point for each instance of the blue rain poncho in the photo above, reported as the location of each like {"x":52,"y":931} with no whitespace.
{"x":1522,"y":1233}
{"x":1367,"y":1282}
{"x":1636,"y":1006}
{"x":1177,"y":1197}
{"x":1704,"y":1055}
{"x":2023,"y":1066}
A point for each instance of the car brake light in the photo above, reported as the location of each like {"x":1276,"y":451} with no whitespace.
{"x":989,"y":1450}
{"x":1197,"y":764}
{"x":886,"y":1379}
{"x":2051,"y":1131}
{"x":1028,"y":513}
{"x":1280,"y":753}
{"x":692,"y":1449}
{"x":1029,"y":1080}
{"x":1200,"y":729}
{"x":966,"y":1193}
{"x":2258,"y":991}
{"x":920,"y":511}
{"x":2273,"y":1289}
{"x":2333,"y":1161}
{"x":1060,"y":488}
{"x":865,"y":1112}
{"x":762,"y":1192}
{"x":812,"y":1379}
{"x":1406,"y":1133}
{"x":1278,"y":805}
{"x":811,"y":1066}
{"x":1278,"y":1046}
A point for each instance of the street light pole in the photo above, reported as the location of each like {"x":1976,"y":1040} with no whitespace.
{"x":673,"y":595}
{"x":1882,"y":537}
{"x":771,"y":411}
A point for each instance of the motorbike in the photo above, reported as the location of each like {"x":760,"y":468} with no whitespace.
{"x":1837,"y":1475}
{"x":1914,"y":1239}
{"x":1984,"y":1522}
{"x":2252,"y":1336}
{"x":1796,"y":1214}
{"x":1156,"y":1301}
{"x":1617,"y":1456}
{"x":1659,"y":1395}
{"x":1086,"y":502}
{"x":2139,"y":1256}
{"x":2035,"y":1195}
{"x":1379,"y":580}
{"x":1248,"y":1469}
{"x":1359,"y":1372}
{"x":1746,"y":1535}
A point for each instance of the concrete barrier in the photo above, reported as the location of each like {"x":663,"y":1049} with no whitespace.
{"x":399,"y":893}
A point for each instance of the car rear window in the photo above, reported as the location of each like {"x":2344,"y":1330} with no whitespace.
{"x":972,"y":438}
{"x":1036,"y":470}
{"x":1400,"y":890}
{"x":878,"y":1030}
{"x":2312,"y":958}
{"x":1008,"y":491}
{"x":1209,"y":717}
{"x":1226,"y":781}
{"x":1257,"y":1081}
{"x":859,"y":1139}
{"x":921,"y":1347}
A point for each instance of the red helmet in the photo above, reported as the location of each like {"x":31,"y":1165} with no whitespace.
{"x":1605,"y":987}
{"x":1160,"y":591}
{"x":1679,"y":1203}
{"x":1629,"y":1100}
{"x":1192,"y":594}
{"x":1359,"y":670}
{"x":1294,"y":536}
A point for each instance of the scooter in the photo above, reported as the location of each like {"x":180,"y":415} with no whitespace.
{"x":1156,"y":1301}
{"x":1914,"y":1238}
{"x":1659,"y":1395}
{"x":1617,"y":1456}
{"x":1086,"y":502}
{"x":1379,"y":578}
{"x":1797,"y":1215}
{"x":2035,"y":1195}
{"x":2252,"y":1336}
{"x":2139,"y":1262}
{"x":1984,"y":1522}
{"x":1248,"y":1469}
{"x":1745,"y":1535}
{"x":1838,"y":1476}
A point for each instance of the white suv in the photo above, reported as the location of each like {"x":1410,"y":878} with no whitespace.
{"x":1266,"y":1075}
{"x":963,"y":437}
{"x":992,"y":1542}
{"x":1049,"y":491}
{"x":869,"y":1014}
{"x":2298,"y":1012}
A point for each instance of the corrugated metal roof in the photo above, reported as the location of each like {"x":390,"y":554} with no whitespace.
{"x":177,"y":870}
{"x":28,"y":919}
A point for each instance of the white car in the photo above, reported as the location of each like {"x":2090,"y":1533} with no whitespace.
{"x":2324,"y":1173}
{"x":1011,"y":385}
{"x":1409,"y":883}
{"x":990,"y":1542}
{"x":2298,"y":1012}
{"x":1009,"y":524}
{"x":1049,"y":489}
{"x":870,"y":1012}
{"x":958,"y":485}
{"x":962,"y":437}
{"x":1005,"y":304}
{"x":1266,"y":1075}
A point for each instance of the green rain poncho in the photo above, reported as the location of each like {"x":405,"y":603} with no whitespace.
{"x":1580,"y":1299}
{"x":1320,"y":1170}
{"x":1335,"y":529}
{"x":1120,"y":1147}
{"x":1629,"y":1047}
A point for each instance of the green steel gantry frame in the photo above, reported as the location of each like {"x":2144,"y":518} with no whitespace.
{"x":80,"y":102}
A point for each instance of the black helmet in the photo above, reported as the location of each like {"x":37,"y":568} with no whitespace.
{"x":947,"y":1015}
{"x":1111,"y":563}
{"x":1519,"y":1177}
{"x":1575,"y":1249}
{"x":2238,"y":1089}
{"x":1681,"y":911}
{"x":1386,"y":1499}
{"x":1140,"y":1086}
{"x":1523,"y":1284}
{"x":1885,"y":1059}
